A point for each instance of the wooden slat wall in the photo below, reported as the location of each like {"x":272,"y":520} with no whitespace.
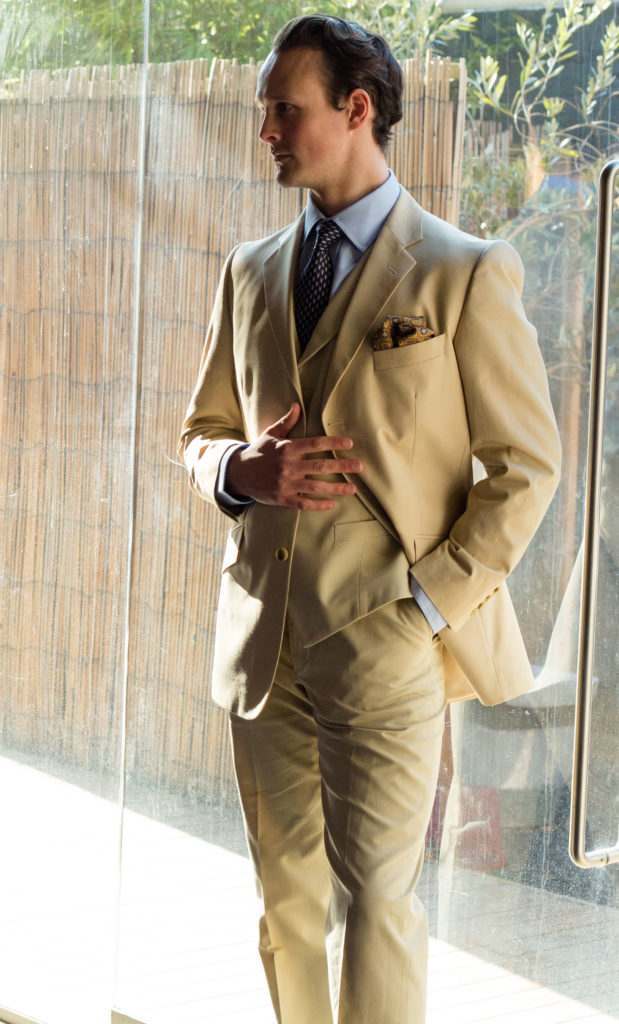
{"x":122,"y":191}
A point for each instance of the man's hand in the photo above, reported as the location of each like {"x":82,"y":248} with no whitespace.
{"x":273,"y":469}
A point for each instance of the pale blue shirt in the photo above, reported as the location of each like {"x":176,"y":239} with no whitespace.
{"x":360,"y":223}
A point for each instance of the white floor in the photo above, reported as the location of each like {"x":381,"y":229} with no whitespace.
{"x":507,"y":953}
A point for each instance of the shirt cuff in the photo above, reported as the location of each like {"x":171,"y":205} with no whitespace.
{"x":222,"y":496}
{"x":429,"y":609}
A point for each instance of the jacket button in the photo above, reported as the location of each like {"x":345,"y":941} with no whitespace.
{"x":281,"y":554}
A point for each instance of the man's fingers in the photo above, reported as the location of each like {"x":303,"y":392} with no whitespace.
{"x":301,"y":445}
{"x":325,"y":487}
{"x":303,"y":467}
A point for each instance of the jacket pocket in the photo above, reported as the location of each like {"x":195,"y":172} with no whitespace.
{"x":370,"y":556}
{"x":233,"y":546}
{"x":407,"y":355}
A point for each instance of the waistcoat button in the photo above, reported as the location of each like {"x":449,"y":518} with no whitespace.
{"x":281,"y":554}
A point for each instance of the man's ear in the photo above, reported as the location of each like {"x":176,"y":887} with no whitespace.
{"x":361,"y":108}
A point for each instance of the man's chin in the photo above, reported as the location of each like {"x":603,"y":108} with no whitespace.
{"x":286,"y":174}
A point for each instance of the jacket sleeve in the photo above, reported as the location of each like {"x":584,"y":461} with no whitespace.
{"x":513,"y":432}
{"x":213,"y":420}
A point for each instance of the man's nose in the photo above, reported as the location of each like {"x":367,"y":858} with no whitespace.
{"x":269,"y":131}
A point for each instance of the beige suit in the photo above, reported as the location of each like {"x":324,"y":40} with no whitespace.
{"x":335,"y":687}
{"x":417,"y":415}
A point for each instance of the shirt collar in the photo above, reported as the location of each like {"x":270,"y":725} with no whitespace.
{"x":362,"y":220}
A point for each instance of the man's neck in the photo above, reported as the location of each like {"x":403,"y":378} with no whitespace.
{"x":336,"y":197}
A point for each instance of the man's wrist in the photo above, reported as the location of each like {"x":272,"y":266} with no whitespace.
{"x":228,"y":482}
{"x":223,"y":494}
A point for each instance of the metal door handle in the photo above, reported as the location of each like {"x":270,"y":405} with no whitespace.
{"x":582,"y":721}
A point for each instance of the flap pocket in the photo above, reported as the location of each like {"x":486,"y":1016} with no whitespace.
{"x":420,"y":352}
{"x":233,"y":546}
{"x":357,"y":533}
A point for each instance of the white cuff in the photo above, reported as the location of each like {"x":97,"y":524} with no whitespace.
{"x":429,"y":609}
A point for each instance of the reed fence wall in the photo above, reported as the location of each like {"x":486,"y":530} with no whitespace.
{"x":122,"y":191}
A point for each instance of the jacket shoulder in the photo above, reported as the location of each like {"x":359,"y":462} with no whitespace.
{"x":462,"y":247}
{"x":250,"y":256}
{"x":454,"y":240}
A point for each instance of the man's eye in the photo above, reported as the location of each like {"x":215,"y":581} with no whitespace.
{"x":281,"y":108}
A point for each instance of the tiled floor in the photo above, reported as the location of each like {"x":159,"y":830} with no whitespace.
{"x":499,"y":952}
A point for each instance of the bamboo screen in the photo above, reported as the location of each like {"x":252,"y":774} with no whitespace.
{"x":123,"y":189}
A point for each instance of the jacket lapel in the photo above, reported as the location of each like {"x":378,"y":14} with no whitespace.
{"x":388,"y":263}
{"x":278,"y":272}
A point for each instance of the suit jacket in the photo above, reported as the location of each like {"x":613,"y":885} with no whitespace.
{"x":417,"y":414}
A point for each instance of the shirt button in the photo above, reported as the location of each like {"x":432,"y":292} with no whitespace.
{"x":281,"y":554}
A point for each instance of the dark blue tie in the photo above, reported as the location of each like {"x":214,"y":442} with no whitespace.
{"x":313,"y":289}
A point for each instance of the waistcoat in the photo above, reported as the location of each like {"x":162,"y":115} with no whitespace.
{"x":344,"y":562}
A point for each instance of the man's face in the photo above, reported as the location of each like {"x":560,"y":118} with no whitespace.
{"x":307,"y":136}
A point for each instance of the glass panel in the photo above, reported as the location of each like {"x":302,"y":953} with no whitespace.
{"x":188,"y":924}
{"x":69,"y":219}
{"x":186,"y":942}
{"x":538,"y":933}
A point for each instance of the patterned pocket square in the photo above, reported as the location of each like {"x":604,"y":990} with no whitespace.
{"x":398,"y":331}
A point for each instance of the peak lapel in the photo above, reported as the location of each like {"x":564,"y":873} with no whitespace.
{"x":388,"y":263}
{"x":278,"y":273}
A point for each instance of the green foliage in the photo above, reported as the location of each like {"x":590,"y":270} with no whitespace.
{"x":62,"y":33}
{"x":539,"y":118}
{"x":412,"y":28}
{"x":492,"y":193}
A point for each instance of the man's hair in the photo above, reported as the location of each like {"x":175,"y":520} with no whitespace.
{"x":353,"y":59}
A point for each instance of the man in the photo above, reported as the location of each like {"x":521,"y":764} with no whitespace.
{"x":339,"y":438}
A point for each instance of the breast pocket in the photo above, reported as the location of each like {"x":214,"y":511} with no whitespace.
{"x":409,"y":355}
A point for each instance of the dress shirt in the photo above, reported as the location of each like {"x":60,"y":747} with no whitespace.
{"x":360,"y":223}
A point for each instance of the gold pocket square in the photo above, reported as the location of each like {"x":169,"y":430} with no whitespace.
{"x":398,"y":331}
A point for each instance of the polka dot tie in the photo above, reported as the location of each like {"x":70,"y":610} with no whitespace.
{"x":312,"y":290}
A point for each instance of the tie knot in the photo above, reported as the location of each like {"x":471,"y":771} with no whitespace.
{"x":328,"y":233}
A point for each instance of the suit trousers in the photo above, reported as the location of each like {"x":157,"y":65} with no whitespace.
{"x":336,"y":778}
